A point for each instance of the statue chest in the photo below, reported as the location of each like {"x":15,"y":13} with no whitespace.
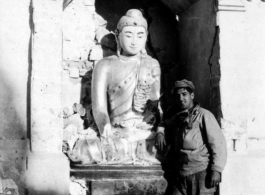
{"x":124,"y":73}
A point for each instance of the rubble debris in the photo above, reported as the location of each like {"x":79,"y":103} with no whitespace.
{"x":78,"y":187}
{"x":8,"y":186}
{"x":96,"y":53}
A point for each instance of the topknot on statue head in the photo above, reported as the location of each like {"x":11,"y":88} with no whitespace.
{"x":133,"y":17}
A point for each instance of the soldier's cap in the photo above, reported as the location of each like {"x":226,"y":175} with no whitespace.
{"x":133,"y":17}
{"x":183,"y":84}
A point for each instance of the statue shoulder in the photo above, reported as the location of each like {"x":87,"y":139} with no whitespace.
{"x":102,"y":69}
{"x":105,"y":63}
{"x":155,"y":66}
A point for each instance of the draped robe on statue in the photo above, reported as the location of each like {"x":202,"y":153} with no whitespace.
{"x":129,"y":84}
{"x":121,"y":89}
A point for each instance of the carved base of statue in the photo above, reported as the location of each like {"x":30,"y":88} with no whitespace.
{"x":121,"y":179}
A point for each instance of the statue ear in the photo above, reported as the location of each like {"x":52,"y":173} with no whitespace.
{"x":118,"y":49}
{"x":118,"y":43}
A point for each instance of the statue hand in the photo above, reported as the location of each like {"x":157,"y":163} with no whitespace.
{"x":215,"y":178}
{"x":106,"y":132}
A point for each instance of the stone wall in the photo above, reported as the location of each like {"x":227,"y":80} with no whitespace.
{"x":255,"y":82}
{"x":14,"y":68}
{"x":15,"y":60}
{"x":241,"y":41}
{"x":242,"y":69}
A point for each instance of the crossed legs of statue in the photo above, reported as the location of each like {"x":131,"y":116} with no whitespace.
{"x":130,"y":151}
{"x":124,"y":145}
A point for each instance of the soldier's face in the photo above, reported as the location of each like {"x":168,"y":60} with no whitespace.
{"x":184,"y":98}
{"x":132,"y":39}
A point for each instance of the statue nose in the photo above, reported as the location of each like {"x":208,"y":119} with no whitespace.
{"x":134,"y":41}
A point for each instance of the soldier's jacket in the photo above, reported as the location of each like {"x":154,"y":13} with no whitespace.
{"x":198,"y":141}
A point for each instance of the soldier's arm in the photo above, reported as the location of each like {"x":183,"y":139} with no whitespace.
{"x":155,"y":95}
{"x":99,"y":94}
{"x":216,"y":141}
{"x":166,"y":126}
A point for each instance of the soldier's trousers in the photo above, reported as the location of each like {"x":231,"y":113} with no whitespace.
{"x":195,"y":184}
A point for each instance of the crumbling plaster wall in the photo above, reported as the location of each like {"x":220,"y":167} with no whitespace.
{"x":255,"y":68}
{"x":15,"y":59}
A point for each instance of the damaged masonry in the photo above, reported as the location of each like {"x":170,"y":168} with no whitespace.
{"x":49,"y":50}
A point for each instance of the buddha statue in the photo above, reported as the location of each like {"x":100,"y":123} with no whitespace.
{"x":125,"y":100}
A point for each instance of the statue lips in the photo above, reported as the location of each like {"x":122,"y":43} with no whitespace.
{"x":134,"y":47}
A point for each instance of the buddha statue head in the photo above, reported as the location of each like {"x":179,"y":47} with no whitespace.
{"x":131,"y":33}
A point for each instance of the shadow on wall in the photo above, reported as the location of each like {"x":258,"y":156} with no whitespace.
{"x":11,"y":126}
{"x":31,"y":24}
{"x":199,"y":51}
{"x":14,"y":99}
{"x":13,"y":139}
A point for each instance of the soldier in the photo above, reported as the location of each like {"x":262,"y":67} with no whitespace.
{"x":199,"y":145}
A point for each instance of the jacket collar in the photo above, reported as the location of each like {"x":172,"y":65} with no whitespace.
{"x":186,"y":116}
{"x":192,"y":110}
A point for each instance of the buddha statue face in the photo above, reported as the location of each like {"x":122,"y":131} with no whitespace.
{"x":131,"y":33}
{"x":132,"y":40}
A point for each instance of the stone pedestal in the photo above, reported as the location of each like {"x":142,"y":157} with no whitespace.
{"x":121,"y":179}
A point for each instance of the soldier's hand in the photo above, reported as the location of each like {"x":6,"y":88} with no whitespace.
{"x":215,"y":178}
{"x":160,"y":141}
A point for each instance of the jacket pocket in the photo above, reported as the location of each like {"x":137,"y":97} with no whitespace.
{"x":192,"y":138}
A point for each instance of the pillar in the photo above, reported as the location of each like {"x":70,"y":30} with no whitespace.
{"x":234,"y":71}
{"x":231,"y":21}
{"x":48,"y":167}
